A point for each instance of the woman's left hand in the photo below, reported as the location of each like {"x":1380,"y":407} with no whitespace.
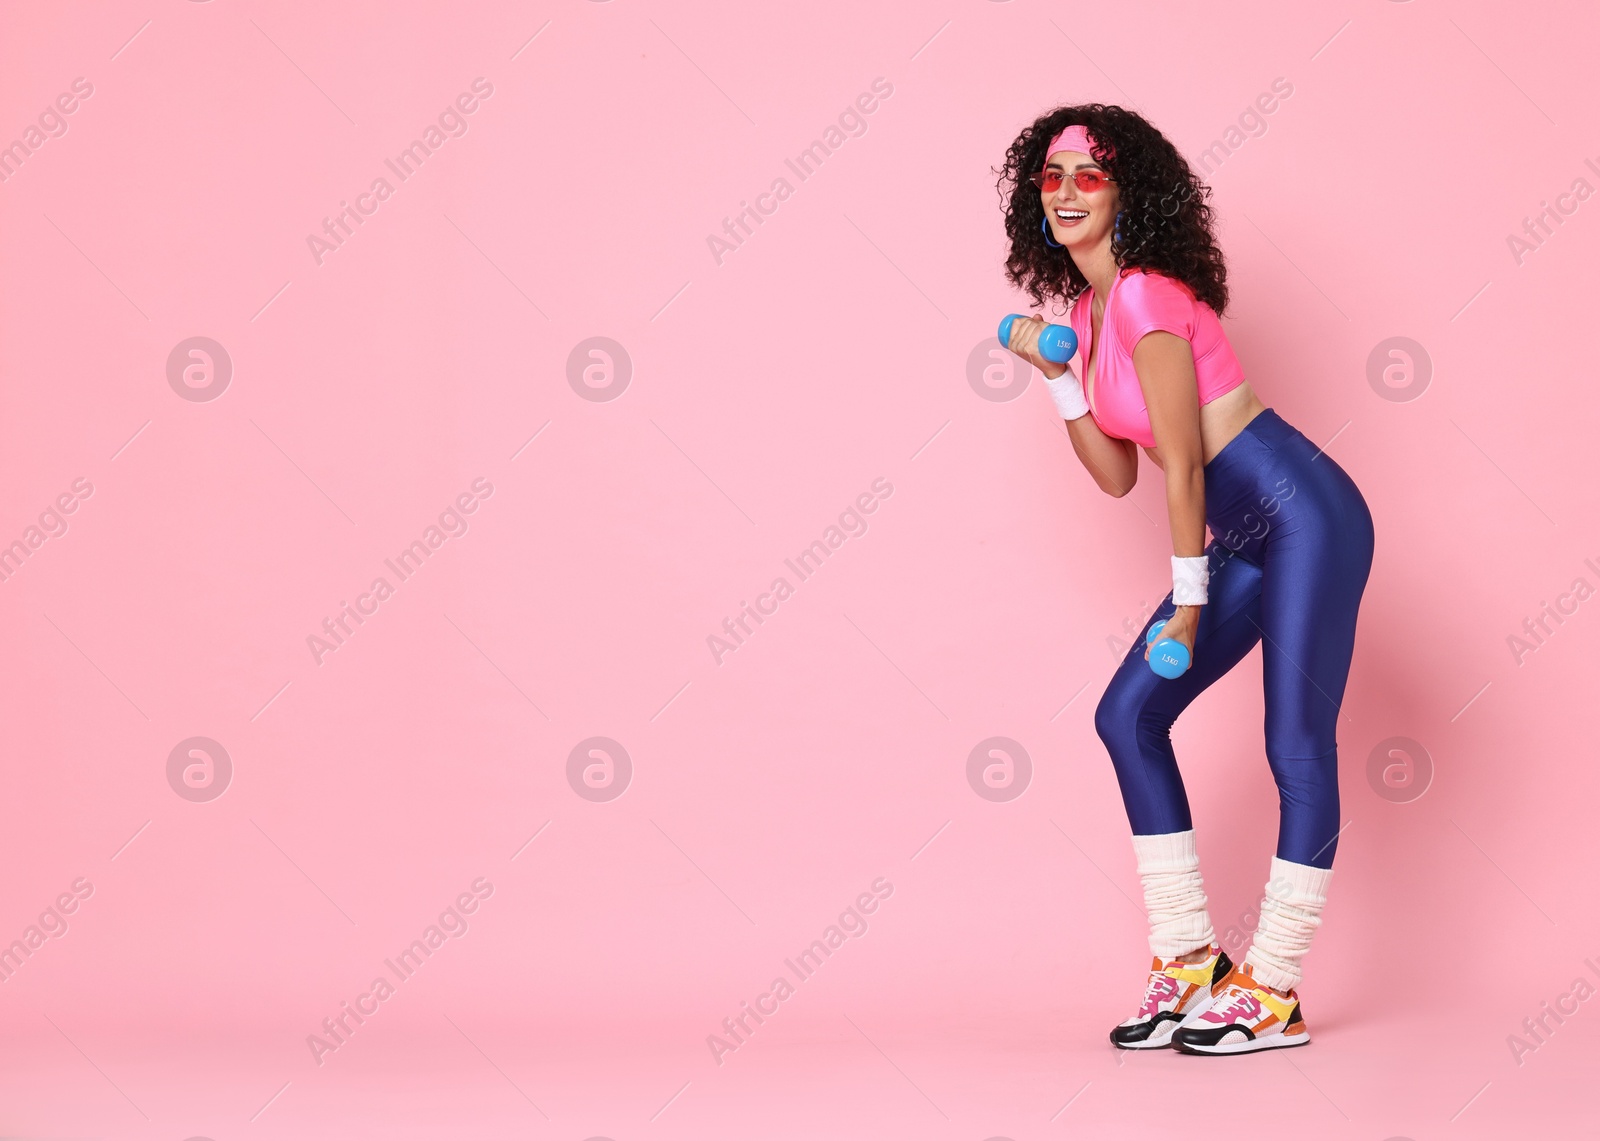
{"x":1180,"y":628}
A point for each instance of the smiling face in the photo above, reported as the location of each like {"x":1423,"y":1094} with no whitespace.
{"x":1079,"y":219}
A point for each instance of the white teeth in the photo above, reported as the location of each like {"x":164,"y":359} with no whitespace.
{"x":1072,"y":214}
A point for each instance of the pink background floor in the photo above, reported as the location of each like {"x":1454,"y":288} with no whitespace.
{"x":350,"y":398}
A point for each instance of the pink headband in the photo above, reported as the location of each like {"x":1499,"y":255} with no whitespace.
{"x":1074,"y":138}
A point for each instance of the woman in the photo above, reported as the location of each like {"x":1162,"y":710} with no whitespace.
{"x":1105,"y":214}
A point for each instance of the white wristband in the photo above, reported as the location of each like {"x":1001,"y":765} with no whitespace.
{"x":1190,"y":577}
{"x":1067,"y":393}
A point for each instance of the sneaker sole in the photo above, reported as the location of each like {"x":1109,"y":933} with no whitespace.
{"x":1248,"y":1046}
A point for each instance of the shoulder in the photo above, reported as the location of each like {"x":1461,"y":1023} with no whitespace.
{"x":1151,"y":285}
{"x":1141,"y":290}
{"x":1148,"y":301}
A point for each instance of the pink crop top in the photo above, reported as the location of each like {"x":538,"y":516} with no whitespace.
{"x":1141,"y":302}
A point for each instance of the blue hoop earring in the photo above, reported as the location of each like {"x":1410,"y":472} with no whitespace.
{"x":1116,"y":233}
{"x":1044,"y":224}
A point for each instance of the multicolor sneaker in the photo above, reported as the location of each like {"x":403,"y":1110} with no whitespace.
{"x":1175,"y":993}
{"x":1246,"y":1016}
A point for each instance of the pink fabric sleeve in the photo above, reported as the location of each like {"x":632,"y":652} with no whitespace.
{"x":1149,"y":301}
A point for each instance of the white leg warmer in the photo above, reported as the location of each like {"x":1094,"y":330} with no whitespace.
{"x":1174,"y":898}
{"x":1290,"y":915}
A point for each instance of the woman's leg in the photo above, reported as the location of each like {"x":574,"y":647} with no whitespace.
{"x":1135,"y":718}
{"x":1137,"y":711}
{"x":1317,"y":556}
{"x":1317,"y":561}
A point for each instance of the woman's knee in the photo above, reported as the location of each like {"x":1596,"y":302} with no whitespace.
{"x":1116,"y":718}
{"x":1107,"y":719}
{"x":1128,"y":709}
{"x":1295,"y":736}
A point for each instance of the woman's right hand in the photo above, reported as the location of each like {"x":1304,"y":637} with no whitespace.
{"x":1025,"y":343}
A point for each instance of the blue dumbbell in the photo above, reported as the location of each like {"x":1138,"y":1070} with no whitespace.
{"x":1056,"y":342}
{"x":1168,"y":656}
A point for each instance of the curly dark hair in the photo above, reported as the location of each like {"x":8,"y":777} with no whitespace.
{"x":1166,"y":223}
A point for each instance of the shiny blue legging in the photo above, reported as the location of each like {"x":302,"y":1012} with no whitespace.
{"x":1291,"y":550}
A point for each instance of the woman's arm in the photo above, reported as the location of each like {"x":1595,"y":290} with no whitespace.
{"x":1113,"y":463}
{"x":1165,"y":365}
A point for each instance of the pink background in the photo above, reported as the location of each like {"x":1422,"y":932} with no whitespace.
{"x":835,"y":347}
